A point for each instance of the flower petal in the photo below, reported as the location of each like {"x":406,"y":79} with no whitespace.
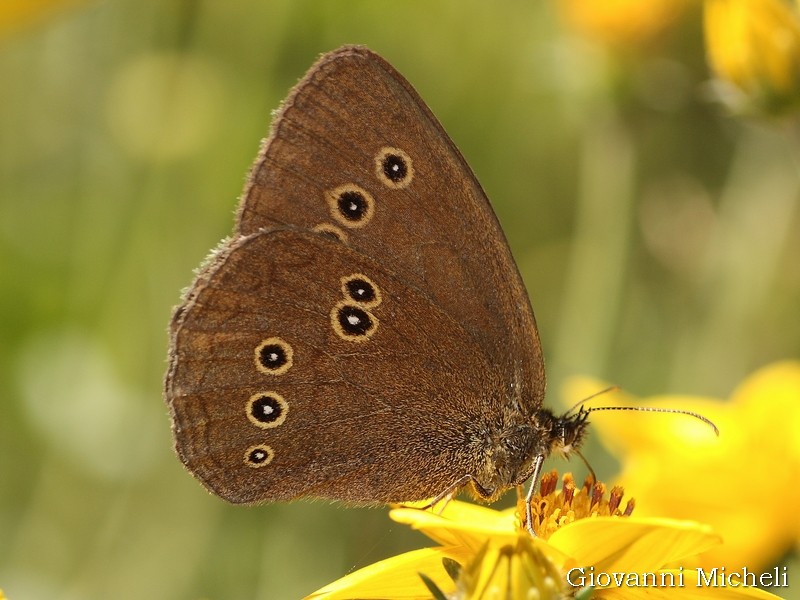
{"x":396,"y":577}
{"x":703,"y":478}
{"x":461,"y":524}
{"x":632,"y":545}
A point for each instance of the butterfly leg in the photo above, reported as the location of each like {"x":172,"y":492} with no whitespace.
{"x":448,"y":494}
{"x":445,"y":501}
{"x":537,"y":469}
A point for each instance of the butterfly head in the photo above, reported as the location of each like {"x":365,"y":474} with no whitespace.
{"x":566,"y":432}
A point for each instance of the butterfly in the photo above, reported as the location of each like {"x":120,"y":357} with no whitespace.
{"x":364,"y":335}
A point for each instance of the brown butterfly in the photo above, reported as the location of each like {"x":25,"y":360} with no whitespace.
{"x":364,"y":335}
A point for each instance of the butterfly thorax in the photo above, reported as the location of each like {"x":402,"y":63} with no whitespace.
{"x":512,"y":449}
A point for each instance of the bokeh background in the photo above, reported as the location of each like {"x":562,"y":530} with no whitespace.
{"x":657,"y":234}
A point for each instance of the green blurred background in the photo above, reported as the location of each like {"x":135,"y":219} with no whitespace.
{"x":657,"y":236}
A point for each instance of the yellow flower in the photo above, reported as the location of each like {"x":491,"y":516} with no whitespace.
{"x":744,"y":483}
{"x":754,"y":46}
{"x":484,"y":553}
{"x":621,"y":22}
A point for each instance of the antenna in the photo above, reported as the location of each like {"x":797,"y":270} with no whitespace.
{"x":675,"y":411}
{"x":613,"y":388}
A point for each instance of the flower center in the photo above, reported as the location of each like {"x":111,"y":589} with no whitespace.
{"x":553,"y":508}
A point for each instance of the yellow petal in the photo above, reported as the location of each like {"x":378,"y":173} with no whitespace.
{"x":755,"y":45}
{"x":632,"y":545}
{"x":512,"y":571}
{"x":676,"y":470}
{"x":396,"y":577}
{"x":461,"y":524}
{"x":622,"y":22}
{"x":769,"y":401}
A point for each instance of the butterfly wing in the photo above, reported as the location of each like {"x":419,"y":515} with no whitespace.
{"x":301,"y":367}
{"x":356,"y":153}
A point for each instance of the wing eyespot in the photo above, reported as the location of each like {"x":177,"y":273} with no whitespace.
{"x":267,"y":410}
{"x":394,"y":168}
{"x":351,"y":205}
{"x":258,"y":456}
{"x":274,"y":356}
{"x":362,"y":290}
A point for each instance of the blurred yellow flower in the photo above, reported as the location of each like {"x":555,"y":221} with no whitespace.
{"x":744,"y":483}
{"x":17,"y":14}
{"x":621,"y":22}
{"x":582,"y":536}
{"x":754,"y":46}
